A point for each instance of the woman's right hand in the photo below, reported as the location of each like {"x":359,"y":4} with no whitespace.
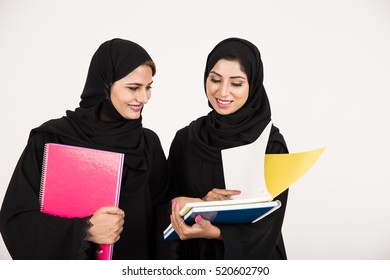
{"x":181,"y":201}
{"x":201,"y":229}
{"x":107,"y":225}
{"x":220,"y":194}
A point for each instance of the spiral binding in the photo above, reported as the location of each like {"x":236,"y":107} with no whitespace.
{"x":43,"y":176}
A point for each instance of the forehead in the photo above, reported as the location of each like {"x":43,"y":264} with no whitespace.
{"x":229,"y":68}
{"x":141,"y":72}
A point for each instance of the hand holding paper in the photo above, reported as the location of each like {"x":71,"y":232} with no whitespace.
{"x":260,"y":177}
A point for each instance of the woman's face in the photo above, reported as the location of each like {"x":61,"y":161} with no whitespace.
{"x":131,"y":93}
{"x":227,"y":87}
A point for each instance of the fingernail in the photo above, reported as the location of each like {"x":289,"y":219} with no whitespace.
{"x":198,"y":218}
{"x":173,"y":203}
{"x":237,"y":191}
{"x":170,"y":217}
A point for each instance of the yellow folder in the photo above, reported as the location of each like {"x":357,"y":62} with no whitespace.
{"x":282,"y":170}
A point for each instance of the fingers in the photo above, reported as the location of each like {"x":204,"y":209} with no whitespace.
{"x":181,"y":223}
{"x":176,"y":219}
{"x":218,"y":196}
{"x":209,"y":231}
{"x":222,"y":194}
{"x":111,"y":210}
{"x":108,"y":224}
{"x":201,"y":223}
{"x":225,"y":192}
{"x":202,"y":228}
{"x":199,"y":220}
{"x":182,"y":229}
{"x":183,"y":200}
{"x":116,"y":232}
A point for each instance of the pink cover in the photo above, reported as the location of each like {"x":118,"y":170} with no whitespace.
{"x":77,"y":181}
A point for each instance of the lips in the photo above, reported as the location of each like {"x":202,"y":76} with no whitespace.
{"x":135,"y":108}
{"x":223,"y":103}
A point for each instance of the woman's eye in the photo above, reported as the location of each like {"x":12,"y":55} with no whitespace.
{"x":133,"y":88}
{"x":149,"y":87}
{"x":236,"y":84}
{"x":215,"y":80}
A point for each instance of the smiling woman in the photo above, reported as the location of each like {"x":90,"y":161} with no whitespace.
{"x":132,"y":92}
{"x":227,"y":86}
{"x":240,"y":112}
{"x":118,"y":86}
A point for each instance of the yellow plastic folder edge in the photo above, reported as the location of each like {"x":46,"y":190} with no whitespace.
{"x":282,"y":170}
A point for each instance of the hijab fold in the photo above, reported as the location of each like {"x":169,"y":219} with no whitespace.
{"x":96,"y":122}
{"x":214,"y":132}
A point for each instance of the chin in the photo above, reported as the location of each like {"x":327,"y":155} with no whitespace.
{"x":132,"y":117}
{"x":224,"y":112}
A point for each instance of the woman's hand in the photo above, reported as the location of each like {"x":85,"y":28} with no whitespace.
{"x":220,"y":194}
{"x":183,"y":200}
{"x":107,"y":225}
{"x":201,"y":229}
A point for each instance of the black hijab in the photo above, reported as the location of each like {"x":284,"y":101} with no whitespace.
{"x":214,"y":132}
{"x":96,"y":123}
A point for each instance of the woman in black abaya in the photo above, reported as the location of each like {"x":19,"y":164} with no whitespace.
{"x":109,"y":118}
{"x":240,"y":111}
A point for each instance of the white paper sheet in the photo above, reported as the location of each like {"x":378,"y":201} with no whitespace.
{"x":243,"y":168}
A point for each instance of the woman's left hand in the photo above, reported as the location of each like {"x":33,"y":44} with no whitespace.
{"x":200,"y":229}
{"x":220,"y":194}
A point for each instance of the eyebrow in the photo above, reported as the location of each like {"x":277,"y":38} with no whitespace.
{"x":138,"y":84}
{"x":232,"y":77}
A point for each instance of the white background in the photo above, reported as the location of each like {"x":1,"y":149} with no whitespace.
{"x":326,"y":64}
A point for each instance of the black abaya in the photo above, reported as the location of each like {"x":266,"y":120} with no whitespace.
{"x":195,"y":164}
{"x":193,"y":176}
{"x":30,"y":234}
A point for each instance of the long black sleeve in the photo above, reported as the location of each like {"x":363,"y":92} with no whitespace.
{"x":192,"y":176}
{"x":28,"y":233}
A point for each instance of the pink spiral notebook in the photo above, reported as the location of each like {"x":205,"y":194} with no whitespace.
{"x":77,"y":181}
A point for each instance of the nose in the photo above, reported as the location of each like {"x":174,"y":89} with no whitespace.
{"x":142,"y":96}
{"x":224,"y":89}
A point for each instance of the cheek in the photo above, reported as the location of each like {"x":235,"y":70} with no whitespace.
{"x":211,"y":89}
{"x":210,"y":96}
{"x":116,"y":94}
{"x":244,"y":98}
{"x":119,"y":101}
{"x":243,"y":95}
{"x":113,"y":96}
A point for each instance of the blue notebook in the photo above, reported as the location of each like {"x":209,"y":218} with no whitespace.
{"x":225,"y":214}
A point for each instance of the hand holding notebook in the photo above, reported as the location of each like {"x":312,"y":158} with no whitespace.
{"x":260,"y":177}
{"x":107,"y":225}
{"x":78,"y":181}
